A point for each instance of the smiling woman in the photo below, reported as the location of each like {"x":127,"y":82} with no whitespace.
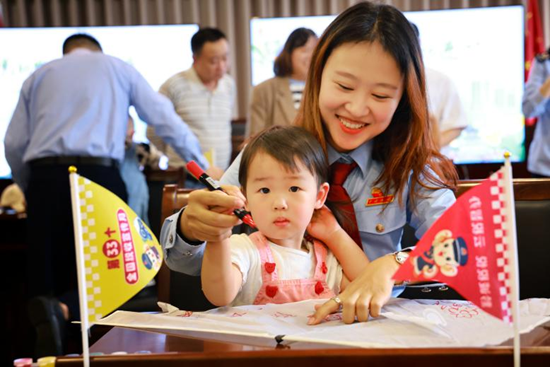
{"x":365,"y":103}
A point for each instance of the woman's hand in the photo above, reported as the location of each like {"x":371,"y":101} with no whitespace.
{"x":365,"y":295}
{"x":209,"y":214}
{"x":323,"y":225}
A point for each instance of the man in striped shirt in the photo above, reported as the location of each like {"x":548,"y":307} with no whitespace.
{"x":203,"y":97}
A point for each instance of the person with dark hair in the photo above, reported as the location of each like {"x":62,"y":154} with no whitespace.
{"x":80,"y":40}
{"x":283,"y":174}
{"x":365,"y":102}
{"x":276,"y":101}
{"x":204,"y":97}
{"x":536,"y":103}
{"x":74,"y":111}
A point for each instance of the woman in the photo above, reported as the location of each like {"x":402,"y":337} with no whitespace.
{"x":276,"y":100}
{"x":365,"y":101}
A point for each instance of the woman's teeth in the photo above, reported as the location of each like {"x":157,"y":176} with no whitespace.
{"x":350,"y":125}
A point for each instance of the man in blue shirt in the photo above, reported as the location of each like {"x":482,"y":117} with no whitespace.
{"x":74,"y":111}
{"x":536,"y":103}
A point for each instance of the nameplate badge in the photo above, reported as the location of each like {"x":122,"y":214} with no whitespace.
{"x":378,"y":198}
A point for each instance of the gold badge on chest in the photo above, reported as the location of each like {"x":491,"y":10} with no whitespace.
{"x":378,"y":198}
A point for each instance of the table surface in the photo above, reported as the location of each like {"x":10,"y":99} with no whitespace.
{"x":175,"y":350}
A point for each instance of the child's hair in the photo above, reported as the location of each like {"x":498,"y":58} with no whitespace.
{"x":287,"y":145}
{"x":407,"y":144}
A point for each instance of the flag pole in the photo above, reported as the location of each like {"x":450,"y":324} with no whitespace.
{"x":79,"y":247}
{"x":512,"y":255}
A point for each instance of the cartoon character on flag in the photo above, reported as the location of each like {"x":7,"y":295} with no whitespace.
{"x":445,"y":255}
{"x":117,"y":254}
{"x":468,"y":248}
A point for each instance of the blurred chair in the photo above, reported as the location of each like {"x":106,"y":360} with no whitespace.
{"x":178,"y":289}
{"x":532,"y":202}
{"x":156,"y":179}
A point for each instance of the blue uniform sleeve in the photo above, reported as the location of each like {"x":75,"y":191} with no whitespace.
{"x":17,"y":139}
{"x":179,"y":255}
{"x":430,"y":205}
{"x":534,"y":103}
{"x":158,"y":111}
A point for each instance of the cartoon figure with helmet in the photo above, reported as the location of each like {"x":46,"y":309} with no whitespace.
{"x":151,"y":257}
{"x":446,"y":255}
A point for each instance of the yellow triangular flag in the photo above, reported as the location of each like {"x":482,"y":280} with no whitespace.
{"x":121,"y":254}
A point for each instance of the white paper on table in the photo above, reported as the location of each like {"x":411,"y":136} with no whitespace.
{"x":404,"y":323}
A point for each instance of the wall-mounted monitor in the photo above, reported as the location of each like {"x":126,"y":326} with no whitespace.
{"x":481,"y":49}
{"x":157,"y":52}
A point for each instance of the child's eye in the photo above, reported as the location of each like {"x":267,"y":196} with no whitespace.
{"x":294,"y":189}
{"x":264,"y":190}
{"x":380,"y":96}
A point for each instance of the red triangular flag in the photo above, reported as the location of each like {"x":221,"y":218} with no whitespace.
{"x":1,"y":17}
{"x":467,"y":249}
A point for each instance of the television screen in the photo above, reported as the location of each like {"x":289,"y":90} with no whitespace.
{"x":480,"y":49}
{"x":26,"y":49}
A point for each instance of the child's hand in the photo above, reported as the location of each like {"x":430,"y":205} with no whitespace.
{"x":323,"y":225}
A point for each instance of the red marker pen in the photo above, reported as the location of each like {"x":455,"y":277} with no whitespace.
{"x":212,"y":185}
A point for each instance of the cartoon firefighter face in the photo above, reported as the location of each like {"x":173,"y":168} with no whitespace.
{"x":151,"y":258}
{"x":445,"y":255}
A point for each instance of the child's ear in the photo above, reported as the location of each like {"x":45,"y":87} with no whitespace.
{"x":322,"y":195}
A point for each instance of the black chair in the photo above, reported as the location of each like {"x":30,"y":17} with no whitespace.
{"x":532,"y":203}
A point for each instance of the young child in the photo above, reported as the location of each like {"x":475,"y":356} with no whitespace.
{"x":283,"y":175}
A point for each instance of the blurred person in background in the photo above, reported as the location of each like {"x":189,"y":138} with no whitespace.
{"x":447,"y":114}
{"x":276,"y":100}
{"x":203,"y":96}
{"x":536,"y":103}
{"x":136,"y":157}
{"x":74,"y":111}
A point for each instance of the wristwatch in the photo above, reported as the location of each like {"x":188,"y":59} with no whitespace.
{"x":401,"y":256}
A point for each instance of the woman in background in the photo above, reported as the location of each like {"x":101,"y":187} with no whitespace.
{"x":276,"y":100}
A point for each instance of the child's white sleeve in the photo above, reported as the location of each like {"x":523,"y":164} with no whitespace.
{"x":242,"y":253}
{"x":334,"y":273}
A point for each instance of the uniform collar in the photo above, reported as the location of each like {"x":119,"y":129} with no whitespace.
{"x":362,"y":155}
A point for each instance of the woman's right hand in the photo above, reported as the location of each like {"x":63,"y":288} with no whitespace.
{"x":365,"y":295}
{"x":209,"y":214}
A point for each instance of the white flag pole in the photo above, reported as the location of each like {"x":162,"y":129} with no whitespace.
{"x":80,"y":267}
{"x":512,"y":254}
